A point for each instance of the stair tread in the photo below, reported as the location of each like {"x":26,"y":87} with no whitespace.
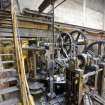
{"x":8,"y":70}
{"x":36,"y":92}
{"x":13,"y":101}
{"x":8,"y":90}
{"x":4,"y":80}
{"x":7,"y":61}
{"x":5,"y":54}
{"x":5,"y":25}
{"x":5,"y":11}
{"x":5,"y":22}
{"x":5,"y":19}
{"x":5,"y":16}
{"x":6,"y":38}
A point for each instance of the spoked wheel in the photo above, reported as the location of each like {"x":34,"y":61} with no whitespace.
{"x":64,"y":43}
{"x":79,"y":39}
{"x":97,"y":49}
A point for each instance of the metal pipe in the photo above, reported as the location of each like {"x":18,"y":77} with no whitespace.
{"x":53,"y":60}
{"x":91,"y":73}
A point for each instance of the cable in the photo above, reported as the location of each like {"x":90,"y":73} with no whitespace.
{"x":57,"y":5}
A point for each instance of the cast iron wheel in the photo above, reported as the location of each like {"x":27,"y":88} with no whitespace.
{"x":97,"y":49}
{"x":64,"y":43}
{"x":79,"y":39}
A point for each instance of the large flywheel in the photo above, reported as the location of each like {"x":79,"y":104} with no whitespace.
{"x":97,"y":49}
{"x":79,"y":39}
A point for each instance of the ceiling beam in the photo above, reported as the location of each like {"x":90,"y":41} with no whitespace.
{"x":45,"y":4}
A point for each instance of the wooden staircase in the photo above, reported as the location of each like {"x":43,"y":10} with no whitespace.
{"x":16,"y":90}
{"x":9,"y":80}
{"x":5,"y":19}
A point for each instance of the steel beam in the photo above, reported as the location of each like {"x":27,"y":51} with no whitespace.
{"x":36,"y":13}
{"x":45,"y":4}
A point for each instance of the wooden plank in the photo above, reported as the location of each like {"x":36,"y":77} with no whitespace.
{"x":4,"y":62}
{"x":31,"y":25}
{"x":8,"y":79}
{"x":7,"y":70}
{"x":6,"y":54}
{"x":13,"y":101}
{"x":8,"y":90}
